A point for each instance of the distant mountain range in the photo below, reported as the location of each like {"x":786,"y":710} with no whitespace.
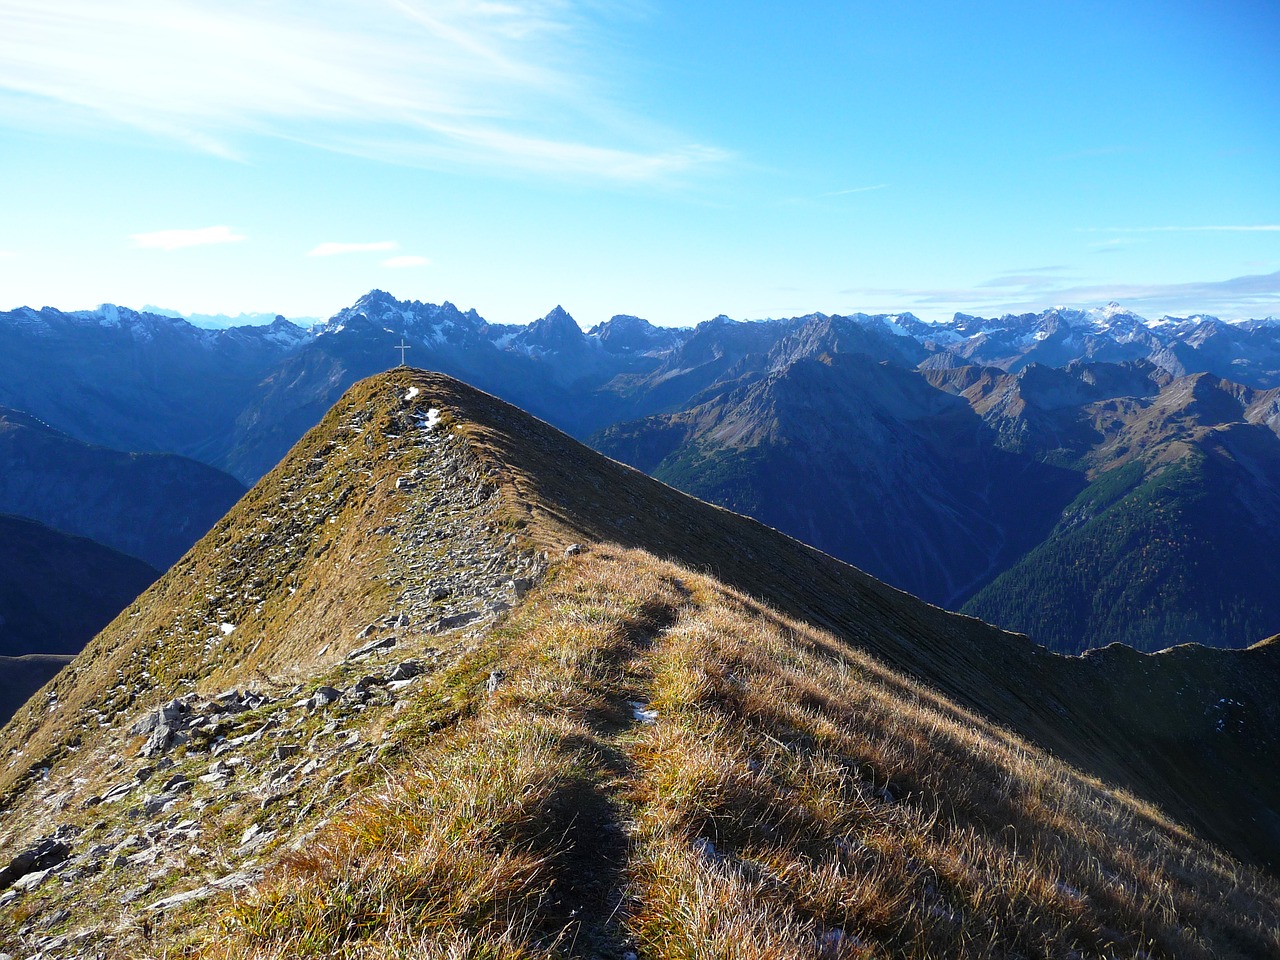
{"x":221,"y":321}
{"x":1085,"y":475}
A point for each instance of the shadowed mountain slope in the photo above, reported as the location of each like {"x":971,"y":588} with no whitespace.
{"x":863,"y":460}
{"x":384,"y":679}
{"x":1177,"y":532}
{"x":153,"y":506}
{"x":1084,"y":505}
{"x":57,"y":591}
{"x":22,"y":676}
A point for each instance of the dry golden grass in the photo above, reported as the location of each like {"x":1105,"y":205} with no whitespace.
{"x":794,"y":798}
{"x":799,"y":795}
{"x":290,"y":565}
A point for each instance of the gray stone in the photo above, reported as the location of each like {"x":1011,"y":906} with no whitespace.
{"x":178,"y":784}
{"x":145,"y":724}
{"x":323,"y":697}
{"x":158,"y":804}
{"x":573,"y":550}
{"x":199,"y":893}
{"x":30,"y":881}
{"x":136,"y":893}
{"x":406,"y":670}
{"x":45,"y":854}
{"x":159,"y":741}
{"x":222,"y":768}
{"x":286,"y":750}
{"x":383,"y":643}
{"x":455,"y":621}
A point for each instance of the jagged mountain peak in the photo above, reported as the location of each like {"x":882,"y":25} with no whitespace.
{"x":625,"y":332}
{"x":556,"y":319}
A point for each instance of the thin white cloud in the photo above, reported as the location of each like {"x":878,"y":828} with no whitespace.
{"x":1236,"y":298}
{"x":335,"y":249}
{"x":848,"y":190}
{"x":407,"y":260}
{"x":7,"y":254}
{"x":514,"y":85}
{"x":179,"y":239}
{"x":1244,"y":228}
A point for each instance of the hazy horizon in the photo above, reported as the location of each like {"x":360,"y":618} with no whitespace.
{"x":641,"y":157}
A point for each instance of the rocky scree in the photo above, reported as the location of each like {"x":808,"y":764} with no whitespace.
{"x":190,"y":798}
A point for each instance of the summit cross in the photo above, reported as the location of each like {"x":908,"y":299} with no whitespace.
{"x":402,"y":347}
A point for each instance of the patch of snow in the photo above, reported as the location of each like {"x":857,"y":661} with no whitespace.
{"x":895,"y":327}
{"x":440,"y":333}
{"x":227,"y":629}
{"x":431,"y":419}
{"x":642,"y":713}
{"x":941,"y":334}
{"x":413,"y":392}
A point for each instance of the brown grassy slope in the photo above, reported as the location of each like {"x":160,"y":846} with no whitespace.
{"x":1148,"y":723}
{"x":794,"y":789}
{"x":296,"y":568}
{"x":670,"y":767}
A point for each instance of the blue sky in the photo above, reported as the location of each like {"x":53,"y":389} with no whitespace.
{"x":674,"y":161}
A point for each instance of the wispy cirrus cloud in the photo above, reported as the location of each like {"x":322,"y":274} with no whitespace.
{"x":337,"y":249}
{"x":408,"y":260}
{"x":1239,"y":228}
{"x":849,"y":190}
{"x":1235,"y":298}
{"x":512,"y":85}
{"x":179,"y":239}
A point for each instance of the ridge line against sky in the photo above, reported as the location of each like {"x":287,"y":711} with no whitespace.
{"x":640,"y":156}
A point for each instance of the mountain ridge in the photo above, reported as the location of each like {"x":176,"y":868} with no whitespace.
{"x":1065,"y":395}
{"x":550,"y":671}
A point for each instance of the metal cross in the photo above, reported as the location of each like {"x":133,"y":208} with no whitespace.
{"x":402,"y":347}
